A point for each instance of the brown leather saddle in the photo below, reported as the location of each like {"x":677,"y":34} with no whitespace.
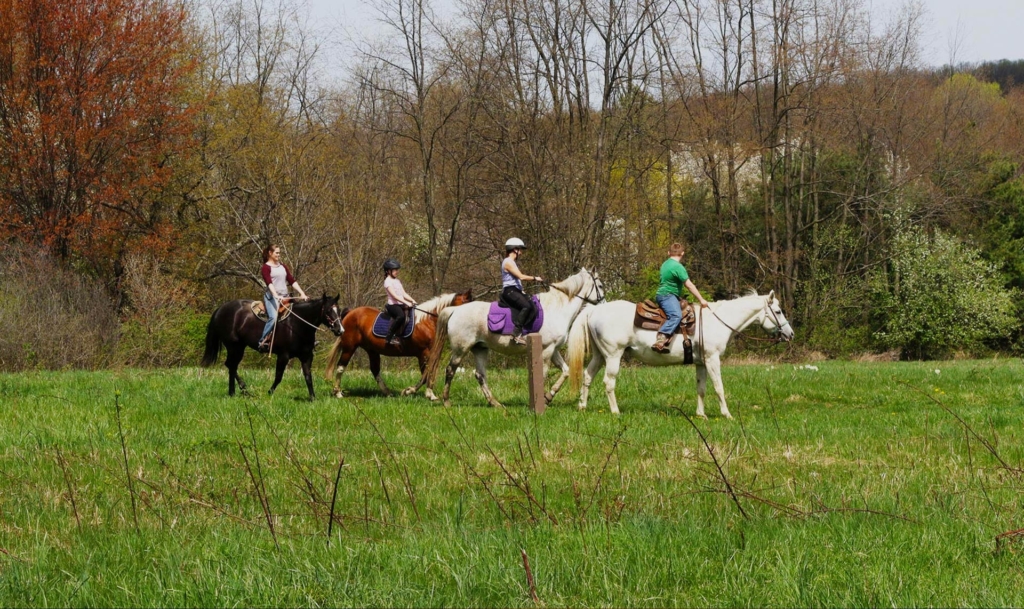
{"x":650,"y":316}
{"x":260,"y":311}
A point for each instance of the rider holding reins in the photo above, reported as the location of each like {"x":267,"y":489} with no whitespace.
{"x":670,"y":291}
{"x":512,"y":295}
{"x":277,"y":278}
{"x":398,"y":301}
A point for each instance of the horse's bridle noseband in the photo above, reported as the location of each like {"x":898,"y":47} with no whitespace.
{"x":777,"y":334}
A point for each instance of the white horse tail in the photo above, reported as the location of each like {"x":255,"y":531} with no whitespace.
{"x":440,"y":336}
{"x":578,"y":345}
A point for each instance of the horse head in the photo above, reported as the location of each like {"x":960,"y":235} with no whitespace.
{"x":330,"y":315}
{"x":462,"y":298}
{"x":592,"y":290}
{"x":773,"y":320}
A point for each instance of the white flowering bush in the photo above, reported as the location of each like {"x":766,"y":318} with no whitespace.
{"x":938,"y":295}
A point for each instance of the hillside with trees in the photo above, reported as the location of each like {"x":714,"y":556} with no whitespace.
{"x":150,"y":150}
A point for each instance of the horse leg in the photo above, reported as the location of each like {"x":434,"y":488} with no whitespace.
{"x":449,"y":374}
{"x":232,"y":361}
{"x":342,"y":363}
{"x":558,"y":360}
{"x":422,"y":358}
{"x":481,"y":375}
{"x":282,"y":363}
{"x":375,"y":370}
{"x":307,"y":373}
{"x":588,"y":376}
{"x":611,"y":371}
{"x":702,"y":384}
{"x":714,"y":366}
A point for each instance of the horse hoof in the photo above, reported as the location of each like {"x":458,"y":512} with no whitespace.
{"x":701,"y":415}
{"x":408,"y":391}
{"x":581,"y":407}
{"x":339,"y":394}
{"x":447,"y":403}
{"x":548,"y":397}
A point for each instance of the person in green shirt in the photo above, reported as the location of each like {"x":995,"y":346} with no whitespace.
{"x":673,"y":278}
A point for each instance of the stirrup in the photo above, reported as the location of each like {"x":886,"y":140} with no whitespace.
{"x":518,"y":339}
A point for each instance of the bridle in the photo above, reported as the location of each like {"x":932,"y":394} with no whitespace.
{"x":776,"y":336}
{"x":331,"y":320}
{"x":594,"y":285}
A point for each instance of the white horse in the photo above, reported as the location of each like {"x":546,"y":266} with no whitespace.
{"x":466,"y":326}
{"x":610,"y":327}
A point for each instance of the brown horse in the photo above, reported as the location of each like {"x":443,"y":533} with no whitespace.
{"x":358,"y":324}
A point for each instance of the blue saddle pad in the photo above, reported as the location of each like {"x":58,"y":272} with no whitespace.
{"x":383,"y":323}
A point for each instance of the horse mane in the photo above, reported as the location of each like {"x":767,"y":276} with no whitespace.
{"x":568,"y":286}
{"x":435,"y":305}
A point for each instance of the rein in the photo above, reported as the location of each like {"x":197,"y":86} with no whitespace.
{"x":315,"y":327}
{"x":586,"y":299}
{"x":774,"y":339}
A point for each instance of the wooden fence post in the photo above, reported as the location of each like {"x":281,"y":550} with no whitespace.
{"x":535,"y":368}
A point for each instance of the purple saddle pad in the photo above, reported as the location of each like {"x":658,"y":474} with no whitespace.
{"x":383,"y":323}
{"x":499,"y":319}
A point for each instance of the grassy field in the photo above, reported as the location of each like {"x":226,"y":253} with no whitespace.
{"x":854,"y":484}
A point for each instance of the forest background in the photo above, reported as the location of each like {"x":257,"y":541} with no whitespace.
{"x":149,"y":150}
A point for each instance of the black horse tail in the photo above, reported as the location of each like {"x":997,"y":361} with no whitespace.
{"x":212,"y":343}
{"x":336,"y":351}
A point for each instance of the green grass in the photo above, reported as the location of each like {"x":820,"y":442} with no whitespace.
{"x":855,"y":487}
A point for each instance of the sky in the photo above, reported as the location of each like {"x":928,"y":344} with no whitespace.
{"x":984,"y":29}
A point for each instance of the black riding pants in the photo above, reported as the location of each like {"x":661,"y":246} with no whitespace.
{"x":525,"y":312}
{"x":397,"y":315}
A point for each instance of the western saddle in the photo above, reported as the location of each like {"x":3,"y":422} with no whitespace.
{"x":650,"y":316}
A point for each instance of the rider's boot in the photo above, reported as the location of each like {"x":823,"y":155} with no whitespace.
{"x":661,"y":344}
{"x":517,"y":336}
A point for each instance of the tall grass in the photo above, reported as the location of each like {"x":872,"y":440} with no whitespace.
{"x":856,"y":484}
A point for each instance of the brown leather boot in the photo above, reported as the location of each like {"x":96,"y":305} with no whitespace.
{"x":661,"y":344}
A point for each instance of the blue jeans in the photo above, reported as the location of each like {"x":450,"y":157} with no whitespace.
{"x":271,"y":304}
{"x":669,"y":303}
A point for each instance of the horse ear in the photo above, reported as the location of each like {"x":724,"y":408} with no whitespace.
{"x":337,"y":297}
{"x":771,"y":296}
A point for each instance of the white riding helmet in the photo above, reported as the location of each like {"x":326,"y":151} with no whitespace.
{"x":514,"y":243}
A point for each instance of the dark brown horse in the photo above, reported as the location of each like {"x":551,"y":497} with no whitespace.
{"x":235,"y":325}
{"x":358,"y":333}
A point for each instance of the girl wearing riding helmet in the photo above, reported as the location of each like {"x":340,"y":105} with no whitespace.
{"x":512,"y":289}
{"x":398,"y":301}
{"x":277,"y":277}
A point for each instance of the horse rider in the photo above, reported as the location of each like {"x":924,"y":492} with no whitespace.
{"x":524,"y":312}
{"x":399,"y":303}
{"x":277,"y":278}
{"x":670,"y":291}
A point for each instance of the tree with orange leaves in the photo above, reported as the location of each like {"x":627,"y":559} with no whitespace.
{"x":94,"y":106}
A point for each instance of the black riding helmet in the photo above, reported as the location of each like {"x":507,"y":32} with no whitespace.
{"x":391,"y":264}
